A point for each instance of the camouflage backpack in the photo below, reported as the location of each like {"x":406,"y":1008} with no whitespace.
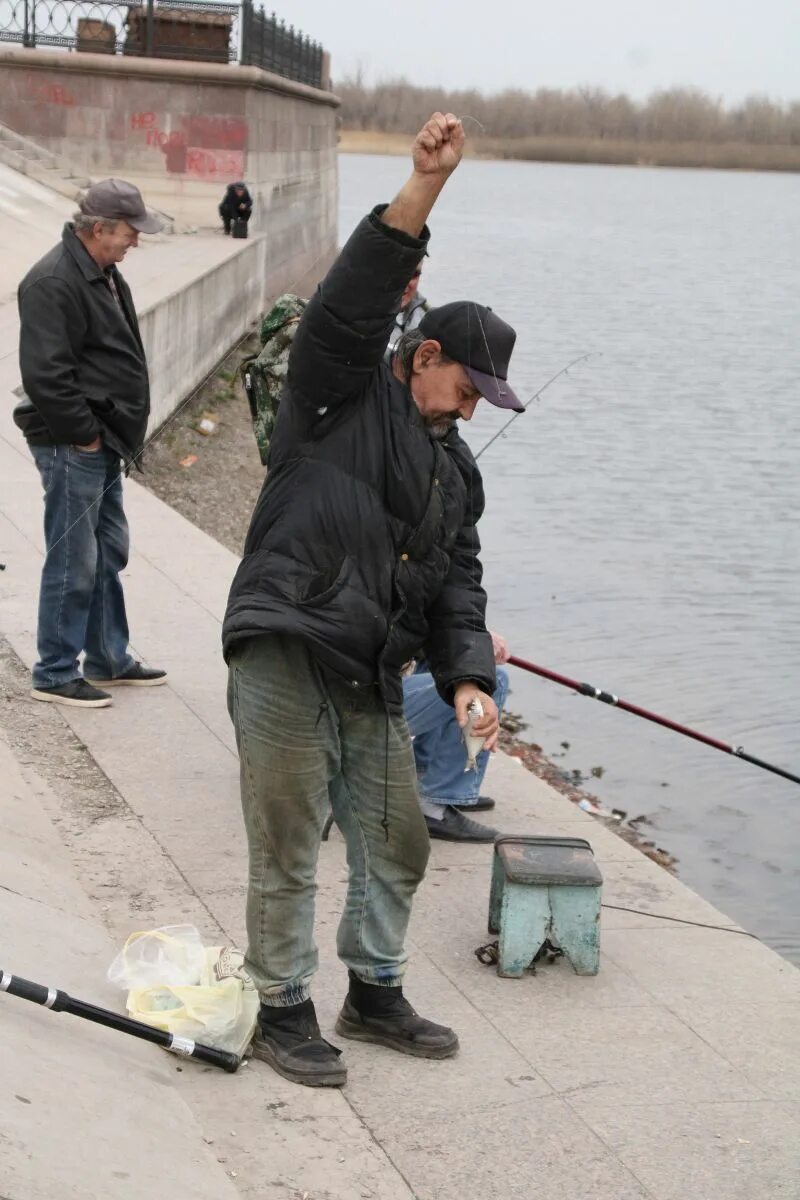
{"x":264,"y":374}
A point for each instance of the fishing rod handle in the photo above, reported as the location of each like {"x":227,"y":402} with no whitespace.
{"x":187,"y":1048}
{"x":183,"y":1046}
{"x":37,"y":993}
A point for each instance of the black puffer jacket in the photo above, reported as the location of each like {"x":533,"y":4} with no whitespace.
{"x":81,"y":357}
{"x":363,"y":540}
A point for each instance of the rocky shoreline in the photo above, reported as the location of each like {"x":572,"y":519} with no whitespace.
{"x":569,"y":784}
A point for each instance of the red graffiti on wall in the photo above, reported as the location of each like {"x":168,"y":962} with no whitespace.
{"x":214,"y":164}
{"x":205,"y":147}
{"x":53,"y":93}
{"x":157,"y":137}
{"x":215,"y":133}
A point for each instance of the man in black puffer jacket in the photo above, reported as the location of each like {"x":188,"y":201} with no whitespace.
{"x":362,"y":549}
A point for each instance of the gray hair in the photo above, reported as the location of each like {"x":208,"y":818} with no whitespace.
{"x":85,"y":223}
{"x":407,"y":346}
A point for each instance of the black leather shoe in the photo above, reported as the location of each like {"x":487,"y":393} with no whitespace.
{"x":135,"y":676}
{"x":383,"y":1016}
{"x":290,"y":1041}
{"x":455,"y":827}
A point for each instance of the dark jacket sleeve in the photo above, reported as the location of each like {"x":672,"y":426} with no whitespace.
{"x":52,"y":330}
{"x":341,"y":339}
{"x":459,"y":647}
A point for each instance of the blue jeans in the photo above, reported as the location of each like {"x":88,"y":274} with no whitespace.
{"x":438,"y":746}
{"x":81,"y":605}
{"x":309,"y":743}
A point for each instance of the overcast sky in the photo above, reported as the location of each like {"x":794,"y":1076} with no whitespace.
{"x":728,"y":47}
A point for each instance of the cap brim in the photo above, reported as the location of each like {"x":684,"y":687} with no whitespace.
{"x":495,"y":390}
{"x":150,"y":223}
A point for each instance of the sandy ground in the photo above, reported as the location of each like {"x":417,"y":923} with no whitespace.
{"x":733,"y":156}
{"x":217,"y":492}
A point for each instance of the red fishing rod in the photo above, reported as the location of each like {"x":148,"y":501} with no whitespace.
{"x":595,"y":693}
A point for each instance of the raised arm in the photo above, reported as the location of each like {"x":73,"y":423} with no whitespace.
{"x":342,"y":338}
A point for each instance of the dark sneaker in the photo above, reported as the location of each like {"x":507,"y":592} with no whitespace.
{"x":290,"y":1041}
{"x":383,"y":1016}
{"x":135,"y":676}
{"x":455,"y":827}
{"x":77,"y":693}
{"x":482,"y":804}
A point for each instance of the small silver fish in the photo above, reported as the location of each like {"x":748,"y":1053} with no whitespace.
{"x":473,"y":744}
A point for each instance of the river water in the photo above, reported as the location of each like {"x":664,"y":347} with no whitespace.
{"x":642,"y":529}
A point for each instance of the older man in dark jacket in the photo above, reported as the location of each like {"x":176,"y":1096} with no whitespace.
{"x":85,"y":411}
{"x":362,"y":549}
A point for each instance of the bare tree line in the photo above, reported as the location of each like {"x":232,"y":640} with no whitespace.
{"x":675,"y":115}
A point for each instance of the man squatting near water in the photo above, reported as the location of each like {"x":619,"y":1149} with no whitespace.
{"x":362,"y":549}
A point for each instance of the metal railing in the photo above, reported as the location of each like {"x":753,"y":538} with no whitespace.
{"x":267,"y":43}
{"x":198,"y":30}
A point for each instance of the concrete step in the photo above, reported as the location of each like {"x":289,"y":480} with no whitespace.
{"x":53,"y":172}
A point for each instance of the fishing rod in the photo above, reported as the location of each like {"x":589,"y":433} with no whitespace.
{"x":564,"y":371}
{"x":60,"y":1001}
{"x":588,"y":689}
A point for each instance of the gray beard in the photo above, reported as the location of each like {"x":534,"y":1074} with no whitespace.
{"x":439,"y":427}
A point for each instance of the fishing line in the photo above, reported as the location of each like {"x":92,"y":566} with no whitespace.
{"x":564,"y":371}
{"x":475,"y":119}
{"x":640,"y":912}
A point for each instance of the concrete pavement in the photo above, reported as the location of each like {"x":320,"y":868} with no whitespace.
{"x":672,"y":1075}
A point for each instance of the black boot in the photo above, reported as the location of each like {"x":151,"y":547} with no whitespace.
{"x":290,"y":1041}
{"x":382,"y":1015}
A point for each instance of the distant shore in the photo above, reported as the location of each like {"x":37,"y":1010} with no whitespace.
{"x":730,"y":156}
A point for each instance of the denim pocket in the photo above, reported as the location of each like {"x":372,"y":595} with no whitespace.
{"x":45,"y":459}
{"x":89,"y":457}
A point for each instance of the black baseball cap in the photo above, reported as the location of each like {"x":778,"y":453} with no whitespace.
{"x":481,"y":342}
{"x":116,"y":200}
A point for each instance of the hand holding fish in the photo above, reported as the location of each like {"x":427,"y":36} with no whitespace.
{"x":487,"y":726}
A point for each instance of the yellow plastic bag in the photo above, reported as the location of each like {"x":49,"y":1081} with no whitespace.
{"x":177,"y":984}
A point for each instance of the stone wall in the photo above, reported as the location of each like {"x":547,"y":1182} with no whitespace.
{"x":183,"y":131}
{"x":184,"y":342}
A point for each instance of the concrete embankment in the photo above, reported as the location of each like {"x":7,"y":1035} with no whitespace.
{"x":196,"y":294}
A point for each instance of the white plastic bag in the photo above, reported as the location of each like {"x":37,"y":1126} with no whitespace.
{"x":172,"y":954}
{"x":177,"y":984}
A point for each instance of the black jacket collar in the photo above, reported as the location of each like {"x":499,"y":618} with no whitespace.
{"x":83,"y":259}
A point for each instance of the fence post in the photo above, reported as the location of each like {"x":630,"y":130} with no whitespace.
{"x":149,"y":29}
{"x":29,"y":36}
{"x":247,"y":25}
